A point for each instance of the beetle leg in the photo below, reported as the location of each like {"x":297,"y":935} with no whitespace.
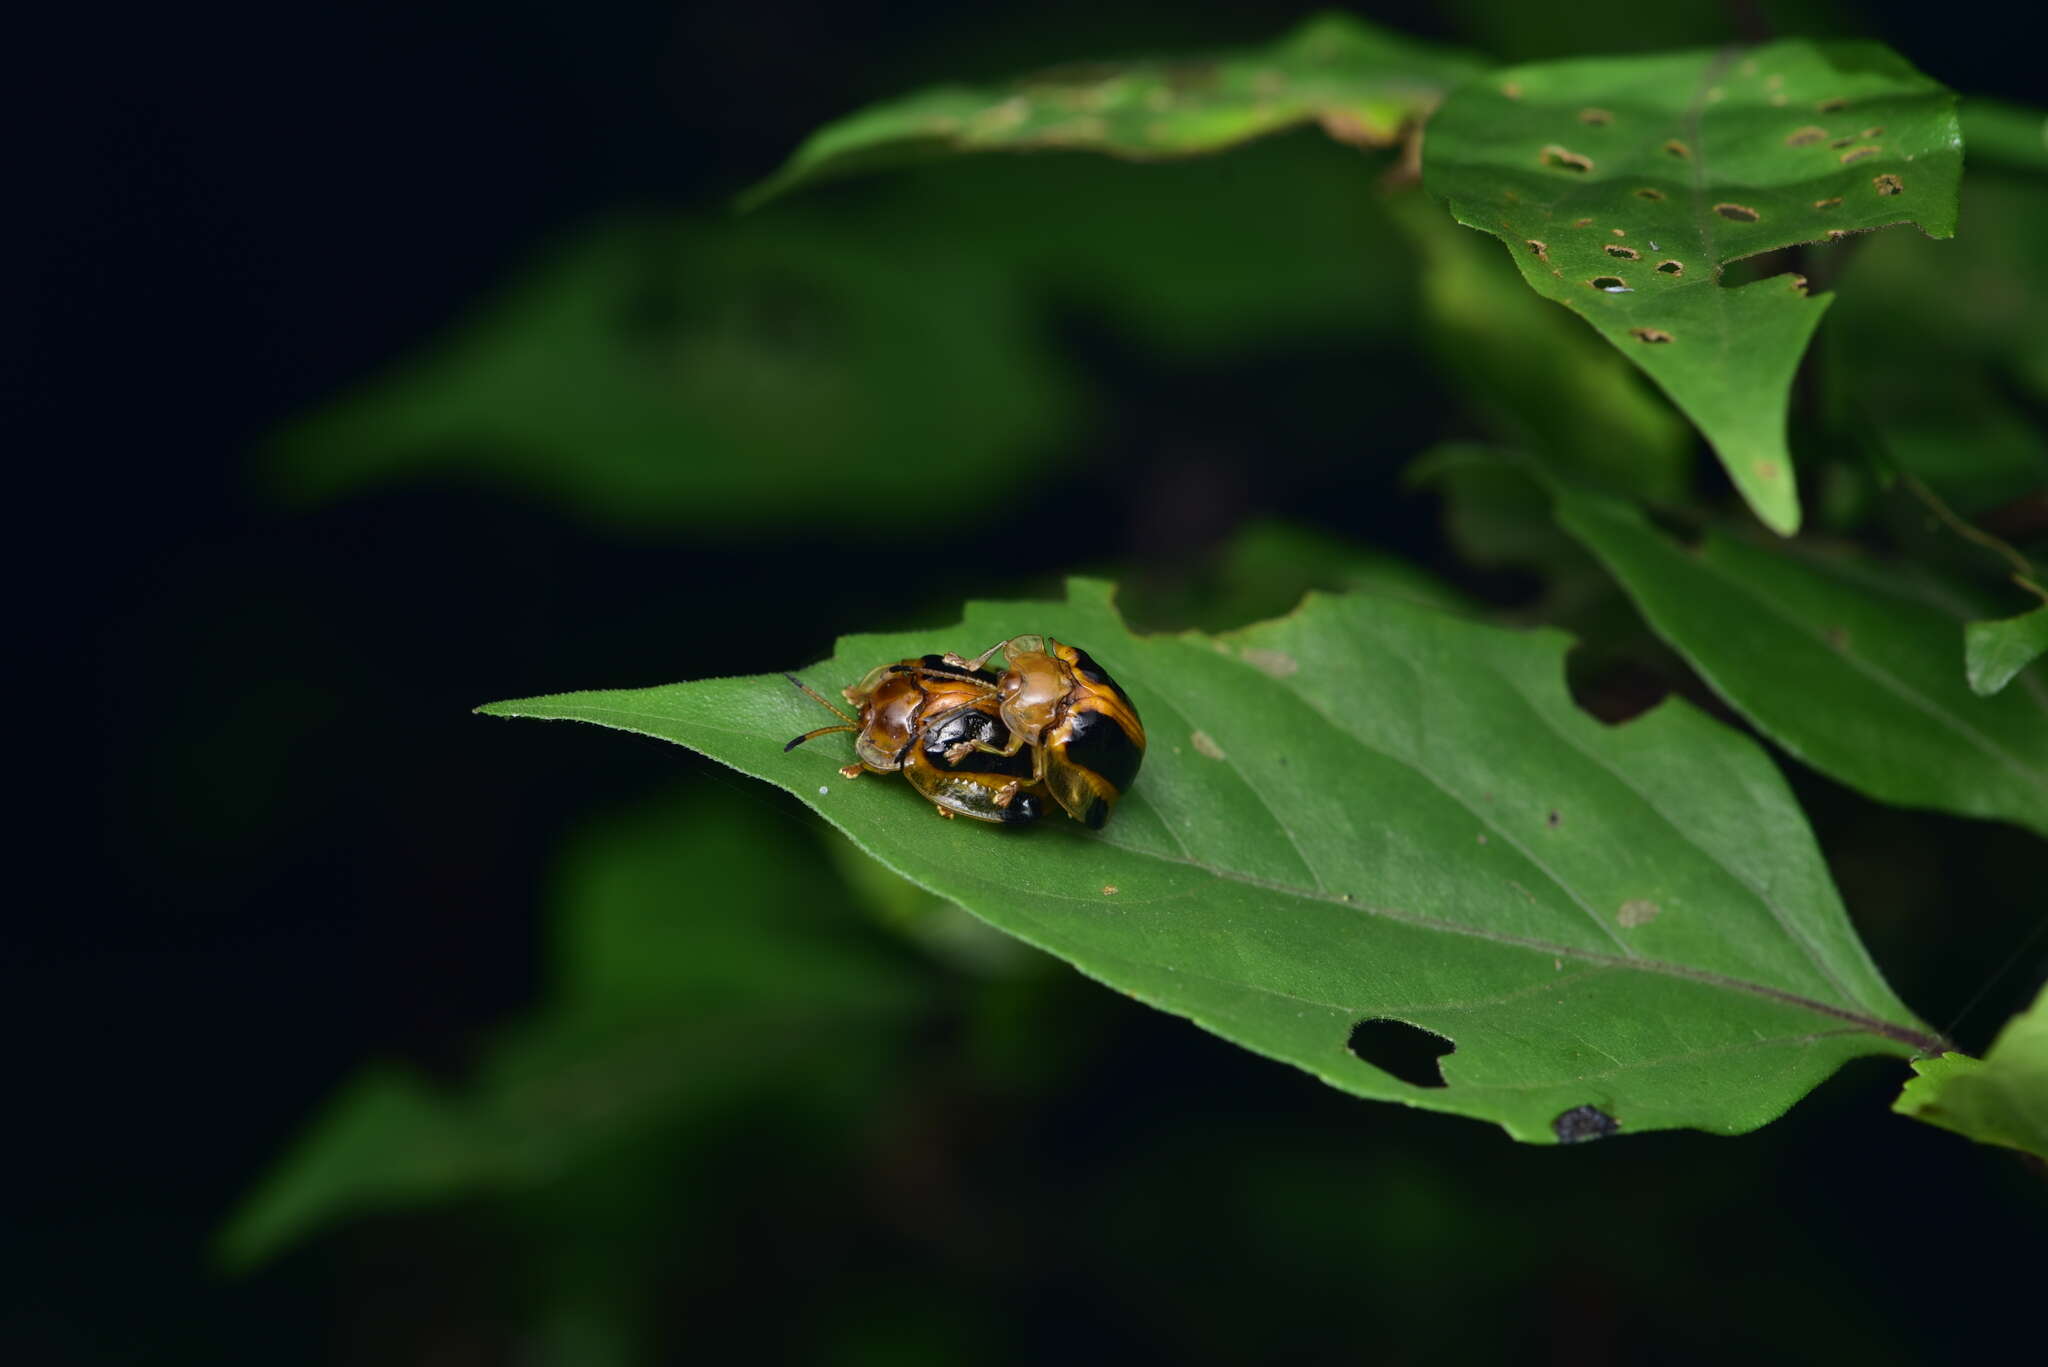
{"x":978,"y":661}
{"x":853,"y":771}
{"x":943,"y":812}
{"x":967,"y":747}
{"x":1006,"y":794}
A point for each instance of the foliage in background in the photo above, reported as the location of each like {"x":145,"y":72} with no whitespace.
{"x":1413,"y":823}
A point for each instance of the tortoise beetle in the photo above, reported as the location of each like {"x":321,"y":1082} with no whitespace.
{"x":1082,"y":729}
{"x":941,"y":727}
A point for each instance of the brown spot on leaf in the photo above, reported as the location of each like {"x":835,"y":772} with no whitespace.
{"x":1652,"y":335}
{"x":1833,"y":103}
{"x":1888,"y":184}
{"x":1582,"y":223}
{"x":1766,"y":470}
{"x":1539,"y":250}
{"x":1638,"y":911}
{"x":1595,"y":116}
{"x":1513,"y":90}
{"x":1625,"y":253}
{"x":1647,"y":192}
{"x":1566,"y":159}
{"x":1805,"y":137}
{"x":1205,"y":745}
{"x":1277,"y":663}
{"x":1838,"y":637}
{"x":1737,"y":213}
{"x":1554,"y":820}
{"x":1671,"y":268}
{"x":1856,"y":154}
{"x":1839,"y":143}
{"x":1825,"y":204}
{"x":1876,"y":132}
{"x":1678,"y":149}
{"x":1109,"y":889}
{"x":1799,"y":285}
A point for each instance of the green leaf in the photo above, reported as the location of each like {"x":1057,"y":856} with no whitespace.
{"x":1362,"y":84}
{"x":1267,"y":566}
{"x":1656,"y":172}
{"x":1370,"y":810}
{"x":680,"y":928}
{"x":1839,"y":663}
{"x":657,"y":371}
{"x":1544,"y":382}
{"x":2008,"y":135}
{"x":2001,"y":1099}
{"x":1995,"y":651}
{"x":1933,"y":353}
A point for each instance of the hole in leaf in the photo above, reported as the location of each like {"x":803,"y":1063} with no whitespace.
{"x":1888,"y":184}
{"x":1404,"y":1051}
{"x":1652,"y":335}
{"x":1806,"y":137}
{"x":1738,"y":213}
{"x":1671,"y":268}
{"x":1595,"y":116}
{"x":1850,"y":158}
{"x":1799,"y":284}
{"x":1610,"y":686}
{"x":1554,"y":155}
{"x":1678,"y":149}
{"x":1539,"y":250}
{"x":1625,"y":253}
{"x":1825,"y":204}
{"x":1610,"y":283}
{"x":1583,"y":1123}
{"x":1648,"y":192}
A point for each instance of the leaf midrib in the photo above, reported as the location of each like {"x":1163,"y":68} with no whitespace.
{"x":1924,"y":1043}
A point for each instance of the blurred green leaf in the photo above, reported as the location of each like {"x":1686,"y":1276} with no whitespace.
{"x":1851,"y":672}
{"x":1995,"y":651}
{"x":1368,"y":810}
{"x":1268,"y":565}
{"x":2000,"y":1099}
{"x":682,"y":929}
{"x":723,"y":376}
{"x":1654,"y":173}
{"x":1362,"y":84}
{"x":1546,"y":384}
{"x":658,"y":371}
{"x":1936,"y":353}
{"x":2009,"y":135}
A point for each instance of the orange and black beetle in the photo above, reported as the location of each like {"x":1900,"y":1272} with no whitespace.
{"x":1083,"y":732}
{"x":941,"y":726}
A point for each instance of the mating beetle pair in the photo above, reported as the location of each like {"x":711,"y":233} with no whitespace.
{"x":994,"y":746}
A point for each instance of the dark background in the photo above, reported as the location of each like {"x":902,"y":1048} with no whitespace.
{"x":282,"y":847}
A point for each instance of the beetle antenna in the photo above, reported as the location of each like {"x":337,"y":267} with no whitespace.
{"x":813,"y":735}
{"x":825,"y":702}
